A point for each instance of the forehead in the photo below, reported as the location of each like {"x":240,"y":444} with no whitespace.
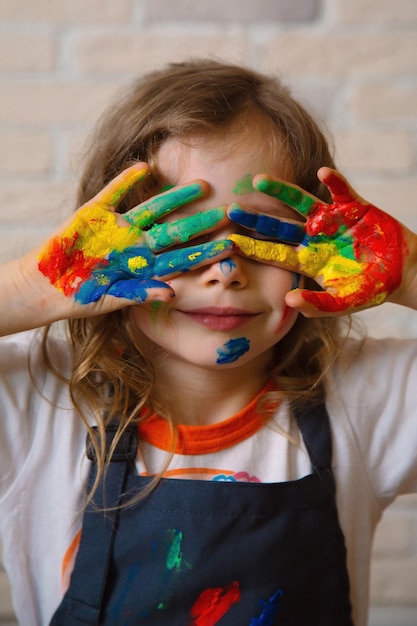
{"x":229,"y":167}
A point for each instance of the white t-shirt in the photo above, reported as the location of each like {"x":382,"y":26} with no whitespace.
{"x":373,"y":413}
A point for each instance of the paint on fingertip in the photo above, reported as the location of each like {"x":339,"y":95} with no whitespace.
{"x":232,"y":350}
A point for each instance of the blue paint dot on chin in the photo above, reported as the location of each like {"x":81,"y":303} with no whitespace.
{"x":232,"y":350}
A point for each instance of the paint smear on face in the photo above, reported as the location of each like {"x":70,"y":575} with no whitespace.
{"x":244,"y":185}
{"x":232,"y":350}
{"x":213,"y":603}
{"x":155,"y":308}
{"x":270,"y":608}
{"x":227,"y":265}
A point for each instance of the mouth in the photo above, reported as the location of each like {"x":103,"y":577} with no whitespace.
{"x":219,"y":318}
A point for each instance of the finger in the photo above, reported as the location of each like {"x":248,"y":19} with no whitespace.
{"x":114,"y":192}
{"x":266,"y":225}
{"x":340,"y":189}
{"x":289,"y":194}
{"x":325,"y":304}
{"x":282,"y":254}
{"x":131,"y":289}
{"x":311,"y":303}
{"x":193,"y":257}
{"x":151,"y":210}
{"x":142,"y":290}
{"x":171,"y":233}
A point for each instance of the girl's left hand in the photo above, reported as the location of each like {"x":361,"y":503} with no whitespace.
{"x":352,"y":249}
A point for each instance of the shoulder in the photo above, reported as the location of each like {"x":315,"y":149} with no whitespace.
{"x":21,"y":351}
{"x":370,"y":370}
{"x":371,"y":393}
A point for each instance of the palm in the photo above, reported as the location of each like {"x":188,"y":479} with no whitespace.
{"x":352,"y":249}
{"x":101,"y":253}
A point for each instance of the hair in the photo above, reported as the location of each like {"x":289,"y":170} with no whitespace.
{"x":195,"y":99}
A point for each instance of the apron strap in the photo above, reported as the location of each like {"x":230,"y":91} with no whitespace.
{"x":86,"y":591}
{"x":314,"y":424}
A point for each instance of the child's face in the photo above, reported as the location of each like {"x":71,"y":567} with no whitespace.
{"x":232,"y":312}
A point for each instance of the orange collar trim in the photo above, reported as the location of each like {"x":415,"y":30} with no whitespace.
{"x":193,"y":440}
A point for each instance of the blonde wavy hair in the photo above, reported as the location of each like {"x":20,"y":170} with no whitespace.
{"x":199,"y":98}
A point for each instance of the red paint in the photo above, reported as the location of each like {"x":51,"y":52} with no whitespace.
{"x":377,"y":239}
{"x":379,"y":242}
{"x":65,"y":266}
{"x":213,"y":603}
{"x":284,"y":318}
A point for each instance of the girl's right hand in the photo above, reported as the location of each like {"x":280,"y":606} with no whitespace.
{"x":102,"y":261}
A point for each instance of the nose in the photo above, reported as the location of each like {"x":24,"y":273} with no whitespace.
{"x":229,"y":273}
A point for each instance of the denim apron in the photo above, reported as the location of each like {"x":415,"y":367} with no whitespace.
{"x":202,"y":553}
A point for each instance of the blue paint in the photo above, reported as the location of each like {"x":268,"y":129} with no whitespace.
{"x":232,"y":350}
{"x":133,"y":571}
{"x":227,"y":265}
{"x":270,"y":608}
{"x":119,"y":276}
{"x":296,"y":278}
{"x":267,"y":226}
{"x":189,"y":258}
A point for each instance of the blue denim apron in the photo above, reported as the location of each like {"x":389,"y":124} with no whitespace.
{"x":201,"y":553}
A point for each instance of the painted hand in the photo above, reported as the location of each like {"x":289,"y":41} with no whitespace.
{"x":102,"y":253}
{"x":353,"y":250}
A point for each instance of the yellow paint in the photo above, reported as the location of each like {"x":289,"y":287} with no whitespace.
{"x":122,"y":184}
{"x":323,"y":259}
{"x":194,"y":256}
{"x":98,"y":233}
{"x":137,"y":263}
{"x":102,"y":279}
{"x":267,"y":250}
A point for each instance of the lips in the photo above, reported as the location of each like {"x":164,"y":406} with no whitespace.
{"x":219,"y":318}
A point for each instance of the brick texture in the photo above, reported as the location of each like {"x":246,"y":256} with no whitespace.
{"x":108,"y":53}
{"x":343,"y":54}
{"x":232,"y":11}
{"x":26,"y":52}
{"x":388,"y":12}
{"x":76,"y":12}
{"x":352,"y":62}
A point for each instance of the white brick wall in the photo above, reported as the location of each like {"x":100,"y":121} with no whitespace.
{"x":353,"y":62}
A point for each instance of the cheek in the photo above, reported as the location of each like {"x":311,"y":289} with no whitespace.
{"x":282,"y":283}
{"x":276,"y":283}
{"x":150,"y":319}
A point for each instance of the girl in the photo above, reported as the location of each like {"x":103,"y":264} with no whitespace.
{"x":239,"y":453}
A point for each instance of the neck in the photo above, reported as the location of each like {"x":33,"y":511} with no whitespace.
{"x":200,"y":396}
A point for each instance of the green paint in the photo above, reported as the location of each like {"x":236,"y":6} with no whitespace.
{"x":174,"y":556}
{"x":289,"y":195}
{"x":148,"y":212}
{"x":244,"y":185}
{"x":155,"y":308}
{"x":166,"y":188}
{"x":170,"y":233}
